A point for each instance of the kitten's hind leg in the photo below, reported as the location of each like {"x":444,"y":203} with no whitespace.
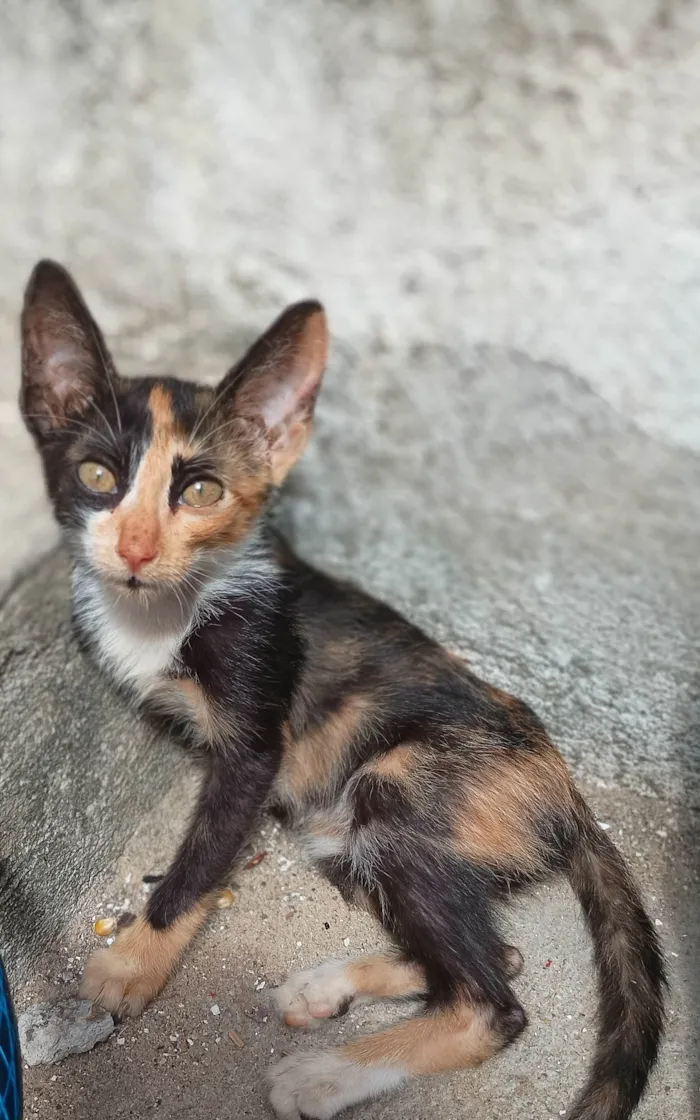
{"x":308,"y":997}
{"x":329,"y":989}
{"x":437,"y":905}
{"x":318,"y":1083}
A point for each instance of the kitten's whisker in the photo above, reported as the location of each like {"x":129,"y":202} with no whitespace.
{"x":219,"y":392}
{"x":73,"y":422}
{"x":97,"y":408}
{"x":107,"y":369}
{"x":219,"y":428}
{"x":180,"y":598}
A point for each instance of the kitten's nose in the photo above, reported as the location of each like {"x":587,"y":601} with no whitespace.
{"x":137,"y":551}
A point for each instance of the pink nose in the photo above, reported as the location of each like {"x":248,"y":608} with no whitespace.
{"x":137,"y":551}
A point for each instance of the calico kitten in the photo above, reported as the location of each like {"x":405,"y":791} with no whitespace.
{"x":421,"y":791}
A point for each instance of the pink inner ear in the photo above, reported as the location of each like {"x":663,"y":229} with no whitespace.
{"x":278,"y":408}
{"x":291,"y":376}
{"x":289,"y":401}
{"x":63,"y":369}
{"x":65,"y":363}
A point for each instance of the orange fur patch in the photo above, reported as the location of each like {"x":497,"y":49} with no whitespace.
{"x":443,"y":1040}
{"x":386,"y":976}
{"x":396,"y":764}
{"x":311,"y":762}
{"x":141,"y":520}
{"x":128,"y":975}
{"x":501,"y":806}
{"x":184,"y":698}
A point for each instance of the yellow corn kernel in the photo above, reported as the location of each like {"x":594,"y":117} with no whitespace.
{"x":105,"y":927}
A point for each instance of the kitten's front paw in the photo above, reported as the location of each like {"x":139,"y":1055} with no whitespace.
{"x":316,"y":994}
{"x":126,"y":977}
{"x":113,"y":980}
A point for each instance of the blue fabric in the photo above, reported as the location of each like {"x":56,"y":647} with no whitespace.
{"x":10,"y":1061}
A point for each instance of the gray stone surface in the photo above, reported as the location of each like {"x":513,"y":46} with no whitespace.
{"x":77,"y":769}
{"x":50,"y":1032}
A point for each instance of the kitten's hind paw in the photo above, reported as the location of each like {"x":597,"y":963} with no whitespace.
{"x":319,"y":993}
{"x":319,"y":1083}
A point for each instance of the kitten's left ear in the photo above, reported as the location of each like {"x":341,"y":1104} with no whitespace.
{"x":277,"y":382}
{"x":66,"y":366}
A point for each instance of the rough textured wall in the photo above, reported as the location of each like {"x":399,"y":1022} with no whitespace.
{"x":522,"y":174}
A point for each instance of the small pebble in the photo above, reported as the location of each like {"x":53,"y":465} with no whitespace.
{"x":50,"y":1032}
{"x":236,"y":1039}
{"x":215,"y":1010}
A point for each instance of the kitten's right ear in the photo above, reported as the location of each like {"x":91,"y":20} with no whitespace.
{"x":65,"y":363}
{"x":276,"y":383}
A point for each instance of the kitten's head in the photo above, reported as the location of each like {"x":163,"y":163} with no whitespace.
{"x":153,"y":477}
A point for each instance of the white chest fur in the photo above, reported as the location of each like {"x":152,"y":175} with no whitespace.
{"x":137,"y":640}
{"x":136,"y":643}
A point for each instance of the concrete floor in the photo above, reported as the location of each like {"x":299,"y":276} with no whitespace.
{"x":178,"y":1062}
{"x":499,"y":205}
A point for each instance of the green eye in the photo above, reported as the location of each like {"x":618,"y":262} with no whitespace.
{"x":97,"y":478}
{"x":204,"y":492}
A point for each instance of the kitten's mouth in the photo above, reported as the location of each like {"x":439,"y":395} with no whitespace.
{"x":136,"y":587}
{"x":133,"y":583}
{"x":142,"y":588}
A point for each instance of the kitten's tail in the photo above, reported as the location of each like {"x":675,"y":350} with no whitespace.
{"x":631,"y":976}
